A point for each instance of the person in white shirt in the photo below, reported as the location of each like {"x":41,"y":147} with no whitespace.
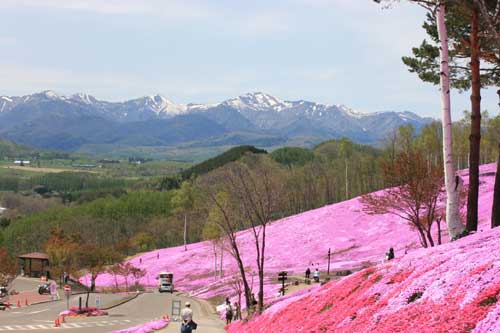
{"x":188,"y":325}
{"x":316,"y":275}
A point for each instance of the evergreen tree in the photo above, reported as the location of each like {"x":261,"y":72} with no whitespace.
{"x":467,"y":40}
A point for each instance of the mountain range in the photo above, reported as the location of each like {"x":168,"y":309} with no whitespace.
{"x":51,"y":121}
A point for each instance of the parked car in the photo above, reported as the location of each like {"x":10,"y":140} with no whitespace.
{"x":3,"y":291}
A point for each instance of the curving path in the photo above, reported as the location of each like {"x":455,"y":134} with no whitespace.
{"x":144,"y":308}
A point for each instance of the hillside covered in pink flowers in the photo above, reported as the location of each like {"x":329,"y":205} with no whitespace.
{"x":452,"y":288}
{"x":449,"y":288}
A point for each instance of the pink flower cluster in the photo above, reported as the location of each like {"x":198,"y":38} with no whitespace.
{"x":442,"y":287}
{"x":89,"y":312}
{"x":147,"y":327}
{"x":403,"y":295}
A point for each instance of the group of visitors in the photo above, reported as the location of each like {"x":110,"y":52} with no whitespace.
{"x":232,"y":312}
{"x":315,"y":274}
{"x":388,"y":256}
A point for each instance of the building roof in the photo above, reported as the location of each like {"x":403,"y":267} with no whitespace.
{"x":34,"y":255}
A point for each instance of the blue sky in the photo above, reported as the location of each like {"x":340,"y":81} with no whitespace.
{"x":330,"y":51}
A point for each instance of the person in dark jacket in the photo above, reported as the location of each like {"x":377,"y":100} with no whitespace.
{"x":390,"y":255}
{"x":229,"y":312}
{"x":237,"y":313}
{"x":308,"y":273}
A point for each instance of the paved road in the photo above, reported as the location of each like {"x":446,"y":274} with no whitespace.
{"x":144,"y":308}
{"x":28,"y":291}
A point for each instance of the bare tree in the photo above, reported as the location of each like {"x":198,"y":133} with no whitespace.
{"x":256,"y":184}
{"x":246,"y":194}
{"x":212,"y":233}
{"x":455,"y":226}
{"x":223,"y":214}
{"x":416,"y":197}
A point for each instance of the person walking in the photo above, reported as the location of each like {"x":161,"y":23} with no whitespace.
{"x":253,"y":304}
{"x":237,"y":313}
{"x":316,"y":275}
{"x":389,"y":255}
{"x":53,"y":291}
{"x":229,"y":312}
{"x":187,"y":325}
{"x":308,"y":273}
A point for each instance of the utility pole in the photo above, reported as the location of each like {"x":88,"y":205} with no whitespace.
{"x":329,"y":255}
{"x":282,"y":276}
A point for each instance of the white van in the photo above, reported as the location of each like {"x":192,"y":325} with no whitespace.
{"x":165,"y":282}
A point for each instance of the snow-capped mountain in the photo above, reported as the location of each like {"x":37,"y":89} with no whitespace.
{"x":257,"y":102}
{"x":51,"y":120}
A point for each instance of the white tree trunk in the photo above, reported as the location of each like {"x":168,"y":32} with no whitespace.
{"x":185,"y":232}
{"x":455,"y":225}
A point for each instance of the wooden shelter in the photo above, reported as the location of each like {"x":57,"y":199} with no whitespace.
{"x":35,"y":264}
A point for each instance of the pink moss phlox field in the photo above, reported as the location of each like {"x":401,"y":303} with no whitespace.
{"x":404,"y":295}
{"x":147,"y":327}
{"x":375,"y":300}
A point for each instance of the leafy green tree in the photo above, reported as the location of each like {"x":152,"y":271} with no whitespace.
{"x":218,"y":161}
{"x":143,"y":241}
{"x":292,"y":156}
{"x":430,"y":141}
